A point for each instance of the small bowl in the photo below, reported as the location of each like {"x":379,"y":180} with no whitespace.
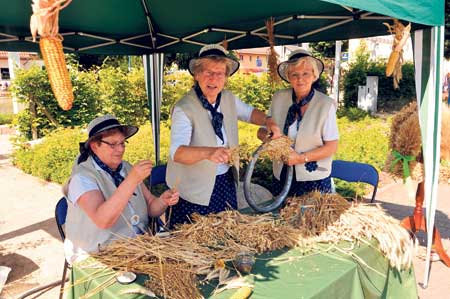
{"x":126,"y":277}
{"x":244,"y":261}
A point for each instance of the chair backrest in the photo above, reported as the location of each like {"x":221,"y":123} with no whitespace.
{"x":60,"y":216}
{"x":356,"y":172}
{"x":158,"y":175}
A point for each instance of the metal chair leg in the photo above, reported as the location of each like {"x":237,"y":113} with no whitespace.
{"x":63,"y":280}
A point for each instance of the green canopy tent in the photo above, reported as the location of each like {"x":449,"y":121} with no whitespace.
{"x":151,"y":27}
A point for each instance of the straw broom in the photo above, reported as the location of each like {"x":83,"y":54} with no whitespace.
{"x":45,"y":22}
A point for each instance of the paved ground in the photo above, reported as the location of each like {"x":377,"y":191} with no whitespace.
{"x":30,"y":243}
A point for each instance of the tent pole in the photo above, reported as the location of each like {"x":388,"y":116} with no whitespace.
{"x":153,"y":72}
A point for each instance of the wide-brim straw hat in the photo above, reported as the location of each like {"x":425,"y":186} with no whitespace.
{"x":108,"y":122}
{"x":293,"y":58}
{"x":214,"y":50}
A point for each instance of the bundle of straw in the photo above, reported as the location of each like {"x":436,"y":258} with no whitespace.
{"x":312,"y":213}
{"x":406,"y":139}
{"x":277,"y":149}
{"x":45,"y":22}
{"x":273,"y":55}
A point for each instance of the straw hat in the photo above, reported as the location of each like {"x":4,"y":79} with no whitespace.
{"x":107,"y":122}
{"x":293,"y":58}
{"x":213,"y":50}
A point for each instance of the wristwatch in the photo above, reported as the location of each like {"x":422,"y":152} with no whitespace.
{"x":306,"y":158}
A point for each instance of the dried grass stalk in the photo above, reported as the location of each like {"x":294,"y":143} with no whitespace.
{"x":234,"y":156}
{"x":364,"y":222}
{"x":277,"y":149}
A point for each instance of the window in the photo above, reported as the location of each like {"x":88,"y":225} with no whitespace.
{"x":241,"y":57}
{"x":258,"y":61}
{"x":4,"y":73}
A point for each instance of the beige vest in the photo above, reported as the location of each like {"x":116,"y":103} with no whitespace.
{"x":82,"y":232}
{"x":196,"y":182}
{"x":309,"y":135}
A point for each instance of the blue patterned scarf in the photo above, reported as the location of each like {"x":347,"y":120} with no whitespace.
{"x":294,"y":112}
{"x":117,"y":177}
{"x":217,"y":117}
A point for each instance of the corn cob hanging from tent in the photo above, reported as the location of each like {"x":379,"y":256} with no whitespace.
{"x":45,"y":22}
{"x":394,"y":64}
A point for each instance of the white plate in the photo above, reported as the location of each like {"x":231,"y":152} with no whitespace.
{"x":126,"y":277}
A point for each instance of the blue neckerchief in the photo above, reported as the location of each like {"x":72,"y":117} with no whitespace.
{"x":117,"y":177}
{"x":217,"y":117}
{"x":294,"y":112}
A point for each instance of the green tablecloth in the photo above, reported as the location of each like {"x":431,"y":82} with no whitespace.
{"x":289,"y":274}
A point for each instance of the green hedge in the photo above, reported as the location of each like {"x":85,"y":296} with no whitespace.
{"x":6,"y":118}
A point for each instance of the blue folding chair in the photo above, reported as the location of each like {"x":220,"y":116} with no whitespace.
{"x":158,"y":177}
{"x":356,"y":172}
{"x":60,"y":217}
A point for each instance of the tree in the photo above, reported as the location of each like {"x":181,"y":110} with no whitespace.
{"x":327,"y":49}
{"x":447,"y":30}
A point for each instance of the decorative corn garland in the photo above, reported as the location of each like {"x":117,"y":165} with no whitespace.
{"x":45,"y":22}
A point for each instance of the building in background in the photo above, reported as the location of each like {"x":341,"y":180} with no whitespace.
{"x":9,"y":61}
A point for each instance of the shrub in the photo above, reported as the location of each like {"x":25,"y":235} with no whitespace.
{"x":51,"y":159}
{"x":6,"y":118}
{"x":43,"y":114}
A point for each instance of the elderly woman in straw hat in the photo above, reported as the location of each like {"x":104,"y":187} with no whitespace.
{"x":204,"y":128}
{"x":106,"y":195}
{"x":308,"y":117}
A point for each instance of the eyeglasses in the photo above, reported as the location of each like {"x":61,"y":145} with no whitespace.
{"x":296,"y":76}
{"x":210,"y":74}
{"x":122,"y":144}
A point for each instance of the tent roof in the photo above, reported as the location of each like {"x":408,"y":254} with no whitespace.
{"x":148,"y":26}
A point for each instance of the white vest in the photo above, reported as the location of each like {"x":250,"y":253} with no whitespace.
{"x":309,"y":135}
{"x":196,"y":182}
{"x":82,"y":232}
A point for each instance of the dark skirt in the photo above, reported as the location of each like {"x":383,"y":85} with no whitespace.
{"x":299,"y":187}
{"x":223,"y":198}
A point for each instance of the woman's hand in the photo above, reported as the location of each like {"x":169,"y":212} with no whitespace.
{"x":170,"y":197}
{"x":219,"y":155}
{"x":141,"y":170}
{"x":294,"y":158}
{"x":273,"y":128}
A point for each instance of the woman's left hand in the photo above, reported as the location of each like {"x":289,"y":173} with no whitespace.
{"x":294,"y":158}
{"x":170,"y":197}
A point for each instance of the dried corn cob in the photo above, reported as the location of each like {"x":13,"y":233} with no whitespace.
{"x":45,"y":22}
{"x":51,"y":49}
{"x":242,"y":293}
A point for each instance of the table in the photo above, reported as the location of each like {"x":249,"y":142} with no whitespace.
{"x":289,"y":274}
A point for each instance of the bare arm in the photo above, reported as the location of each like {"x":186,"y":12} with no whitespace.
{"x":326,"y":150}
{"x":193,"y":154}
{"x":104,"y":213}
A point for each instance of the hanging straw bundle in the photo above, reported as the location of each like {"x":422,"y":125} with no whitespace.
{"x":45,"y":22}
{"x":405,"y":141}
{"x":273,"y":55}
